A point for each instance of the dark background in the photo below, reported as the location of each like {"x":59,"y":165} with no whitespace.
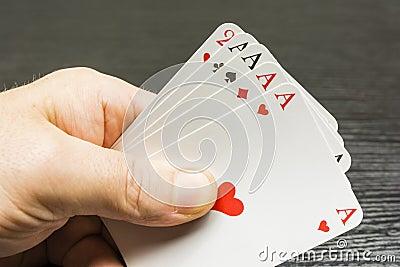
{"x":346,"y":53}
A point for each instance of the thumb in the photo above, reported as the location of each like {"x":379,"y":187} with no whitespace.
{"x":95,"y":181}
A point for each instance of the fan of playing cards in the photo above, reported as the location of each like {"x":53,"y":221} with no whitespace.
{"x":274,"y":150}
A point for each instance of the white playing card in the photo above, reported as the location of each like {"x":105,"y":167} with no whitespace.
{"x":304,"y":202}
{"x":237,"y":63}
{"x":238,"y":67}
{"x":271,"y":75}
{"x":241,"y":41}
{"x":261,"y":71}
{"x":257,"y":54}
{"x":328,"y":118}
{"x":201,"y":71}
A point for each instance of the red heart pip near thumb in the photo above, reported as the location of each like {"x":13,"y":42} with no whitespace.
{"x":226,"y":203}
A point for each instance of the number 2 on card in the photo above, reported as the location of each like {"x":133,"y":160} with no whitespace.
{"x":229,"y":34}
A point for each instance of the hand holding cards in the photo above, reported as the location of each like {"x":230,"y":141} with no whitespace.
{"x":274,"y":150}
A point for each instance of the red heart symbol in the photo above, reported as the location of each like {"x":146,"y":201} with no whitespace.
{"x":262,"y":110}
{"x":226,"y":203}
{"x":206,"y":57}
{"x":323,"y":226}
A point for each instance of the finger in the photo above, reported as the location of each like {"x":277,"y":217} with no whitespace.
{"x":139,"y":102}
{"x":96,"y":181}
{"x":62,"y":240}
{"x":114,"y":120}
{"x":91,"y":251}
{"x":88,"y":104}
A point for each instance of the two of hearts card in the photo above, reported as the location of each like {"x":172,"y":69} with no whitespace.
{"x":278,"y":161}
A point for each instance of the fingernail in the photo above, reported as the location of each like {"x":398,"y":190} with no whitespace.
{"x":193,"y":192}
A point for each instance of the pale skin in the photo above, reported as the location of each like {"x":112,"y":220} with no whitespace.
{"x":58,"y":173}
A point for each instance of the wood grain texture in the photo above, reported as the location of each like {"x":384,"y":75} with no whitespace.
{"x":346,"y":54}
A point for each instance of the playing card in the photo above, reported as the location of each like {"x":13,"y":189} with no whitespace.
{"x":239,"y":42}
{"x":255,"y":55}
{"x":248,"y":40}
{"x":269,"y":75}
{"x":258,"y":54}
{"x":201,"y":71}
{"x":304,"y":202}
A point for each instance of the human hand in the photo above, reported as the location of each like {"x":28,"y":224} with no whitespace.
{"x":57,"y":173}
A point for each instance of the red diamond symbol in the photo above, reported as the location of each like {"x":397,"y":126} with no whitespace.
{"x":242,"y":93}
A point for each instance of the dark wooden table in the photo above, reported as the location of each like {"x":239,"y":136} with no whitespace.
{"x":345,"y":53}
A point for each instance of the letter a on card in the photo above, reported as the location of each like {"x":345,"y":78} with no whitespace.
{"x":268,"y":78}
{"x":287,"y":97}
